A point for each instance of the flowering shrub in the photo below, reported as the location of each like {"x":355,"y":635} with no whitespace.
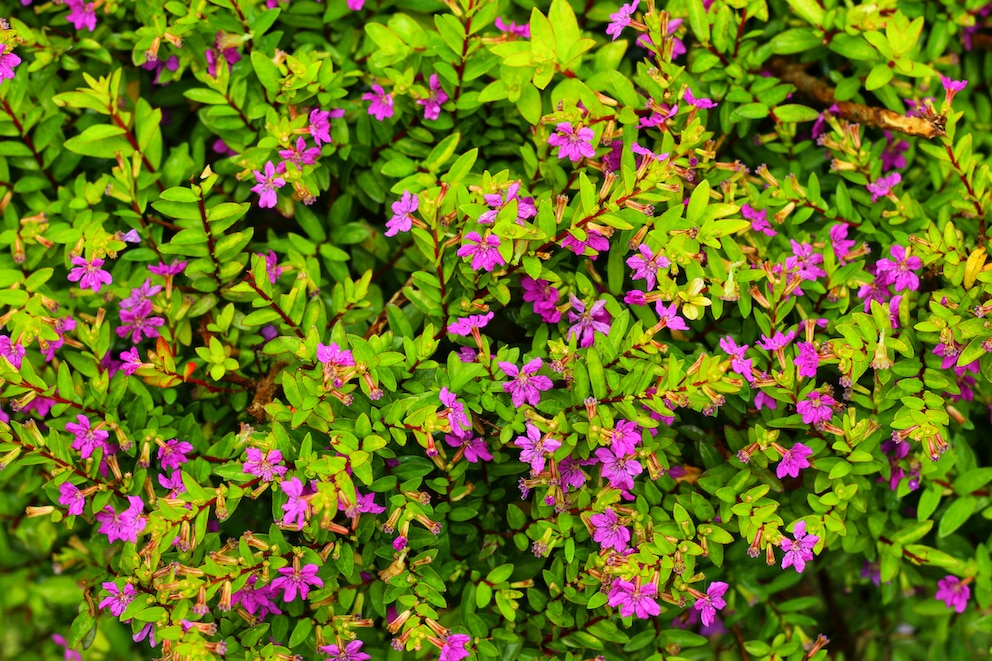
{"x":499,"y":331}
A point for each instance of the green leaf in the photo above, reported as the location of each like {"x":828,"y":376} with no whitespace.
{"x":810,"y":10}
{"x":699,"y":21}
{"x":793,"y":112}
{"x":855,"y":48}
{"x":972,"y":480}
{"x":500,"y":574}
{"x":100,"y":141}
{"x":301,"y":632}
{"x":442,"y":152}
{"x":750,"y":111}
{"x":880,"y":76}
{"x":955,"y":516}
{"x":797,"y":40}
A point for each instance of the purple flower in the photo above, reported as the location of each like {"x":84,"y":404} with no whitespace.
{"x":952,"y":87}
{"x":808,"y":359}
{"x":892,"y":156}
{"x":173,"y":454}
{"x":364,"y":504}
{"x":266,"y":466}
{"x":816,"y":408}
{"x":800,"y":551}
{"x":513,"y":28}
{"x":476,"y":449}
{"x":634,"y":599}
{"x":268,"y":184}
{"x":72,"y":497}
{"x":647,"y":264}
{"x":437,"y":96}
{"x":525,"y":205}
{"x":69,"y":654}
{"x":297,"y":507}
{"x":272,"y":268}
{"x":608,"y":531}
{"x":137,"y":322}
{"x":699,"y":103}
{"x":621,"y":19}
{"x":356,"y":5}
{"x":12,"y":351}
{"x":543,"y":296}
{"x":381,"y":106}
{"x":454,"y":647}
{"x":776,"y":342}
{"x":293,"y":580}
{"x":759,"y":220}
{"x":81,"y":14}
{"x":526,"y":386}
{"x":174,"y":483}
{"x":793,"y":461}
{"x":741,"y":365}
{"x":254,"y":599}
{"x":535,"y":446}
{"x":87,"y":439}
{"x":175,"y":268}
{"x":460,"y":423}
{"x":403,"y":209}
{"x":351,"y":652}
{"x":647,"y":153}
{"x":804,"y":259}
{"x":625,"y":437}
{"x":333,"y":355}
{"x":764,"y":400}
{"x":898,"y":271}
{"x":89,"y":275}
{"x":594,"y":241}
{"x":7,"y":63}
{"x":669,"y":317}
{"x":954,"y":593}
{"x":882,"y":187}
{"x":119,"y":599}
{"x":620,"y":470}
{"x":712,"y":602}
{"x":125,"y":526}
{"x":588,"y":322}
{"x":842,"y":245}
{"x":320,"y":127}
{"x":572,"y":144}
{"x":483,"y":251}
{"x":469,"y":325}
{"x":301,"y":154}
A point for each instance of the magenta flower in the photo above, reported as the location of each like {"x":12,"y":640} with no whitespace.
{"x":526,"y":386}
{"x":72,"y":497}
{"x":81,"y":14}
{"x":272,"y":268}
{"x":12,"y":351}
{"x":254,"y":599}
{"x":699,"y":103}
{"x":137,"y":321}
{"x":625,"y":437}
{"x":483,"y":251}
{"x":469,"y":325}
{"x":621,"y":19}
{"x":954,"y":593}
{"x":88,"y":274}
{"x":634,"y":599}
{"x":620,"y":470}
{"x":952,"y":87}
{"x":668,"y":316}
{"x":356,"y":5}
{"x":842,"y":245}
{"x":816,"y":408}
{"x":513,"y":28}
{"x":364,"y":504}
{"x":535,"y":446}
{"x":804,"y":259}
{"x":381,"y":104}
{"x":87,"y":439}
{"x":647,"y":153}
{"x":892,"y":156}
{"x":460,"y":423}
{"x":763,"y":400}
{"x":741,"y":365}
{"x":320,"y":127}
{"x":437,"y":96}
{"x":759,"y":220}
{"x":301,"y":154}
{"x":351,"y":652}
{"x":292,"y":581}
{"x":647,"y":264}
{"x":476,"y":449}
{"x":125,"y":526}
{"x":594,"y":241}
{"x":793,"y":461}
{"x":712,"y":602}
{"x":573,"y":145}
{"x":800,"y":551}
{"x":175,"y":268}
{"x":525,"y":205}
{"x":608,"y":531}
{"x":297,"y":507}
{"x":403,"y":210}
{"x":898,"y":271}
{"x":588,"y":322}
{"x":543,"y":296}
{"x":173,"y":483}
{"x":777,"y":341}
{"x":454,"y":647}
{"x":333,"y":355}
{"x":266,"y":466}
{"x":268,"y":184}
{"x":172,"y":455}
{"x":7,"y":63}
{"x":119,"y":599}
{"x":882,"y":187}
{"x":808,"y":359}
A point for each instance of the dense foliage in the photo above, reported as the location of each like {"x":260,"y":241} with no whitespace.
{"x":496,"y":330}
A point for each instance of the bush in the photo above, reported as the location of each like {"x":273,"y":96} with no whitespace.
{"x":496,"y":331}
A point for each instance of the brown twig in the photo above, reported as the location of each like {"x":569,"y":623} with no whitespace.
{"x":399,"y":298}
{"x":818,"y":90}
{"x":265,"y":390}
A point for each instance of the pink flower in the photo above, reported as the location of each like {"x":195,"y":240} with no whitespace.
{"x":699,"y":103}
{"x":89,"y":275}
{"x":292,"y":581}
{"x":647,"y":265}
{"x":808,"y":359}
{"x":882,"y":187}
{"x":469,"y":325}
{"x":175,"y":268}
{"x":403,"y":209}
{"x":437,"y":96}
{"x":268,"y":184}
{"x":793,"y":461}
{"x":526,"y":385}
{"x":800,"y":551}
{"x":777,"y":341}
{"x":842,"y":245}
{"x":81,"y":14}
{"x":125,"y":526}
{"x":620,"y":470}
{"x":608,"y":531}
{"x":513,"y":28}
{"x":300,"y":154}
{"x":712,"y":602}
{"x":621,"y":19}
{"x":759,"y":220}
{"x":954,"y":593}
{"x":952,"y":87}
{"x":898,"y":271}
{"x":594,"y":241}
{"x":266,"y":466}
{"x":320,"y":126}
{"x":72,"y":497}
{"x":459,"y":421}
{"x":381,"y":104}
{"x":172,"y":455}
{"x":353,"y":650}
{"x":573,"y":145}
{"x":7,"y":63}
{"x":543,"y":296}
{"x":119,"y":599}
{"x":634,"y":599}
{"x":669,"y":317}
{"x":816,"y":408}
{"x":87,"y":439}
{"x":892,"y":156}
{"x":535,"y":446}
{"x":297,"y":507}
{"x":356,"y":5}
{"x":764,"y":400}
{"x":483,"y":251}
{"x":254,"y":599}
{"x":454,"y":647}
{"x":588,"y":322}
{"x":476,"y":449}
{"x":741,"y":365}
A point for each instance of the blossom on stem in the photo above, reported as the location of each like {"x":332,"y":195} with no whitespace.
{"x":573,"y":144}
{"x":525,"y":205}
{"x":668,"y":316}
{"x":759,"y":220}
{"x":453,"y":648}
{"x":634,"y":599}
{"x":301,"y":154}
{"x":882,"y":187}
{"x":647,"y":265}
{"x":777,"y":341}
{"x":119,"y":599}
{"x":320,"y":125}
{"x":172,"y":455}
{"x":952,"y":87}
{"x":587,"y":322}
{"x":793,"y":461}
{"x":594,"y":241}
{"x":268,"y":184}
{"x":297,"y":507}
{"x":87,"y":438}
{"x":350,"y":652}
{"x":703,"y":103}
{"x":403,"y":209}
{"x":89,"y":274}
{"x":7,"y":62}
{"x":842,"y":245}
{"x":800,"y":551}
{"x":741,"y":365}
{"x":483,"y":251}
{"x":12,"y":351}
{"x":512,"y":28}
{"x":526,"y":384}
{"x":476,"y":449}
{"x":543,"y":296}
{"x":437,"y":96}
{"x":954,"y":593}
{"x":619,"y":470}
{"x":892,"y":156}
{"x":125,"y":526}
{"x":293,"y":580}
{"x":459,"y":421}
{"x":608,"y":531}
{"x":381,"y":103}
{"x":535,"y":446}
{"x":712,"y":602}
{"x":258,"y":600}
{"x":898,"y":271}
{"x":469,"y":325}
{"x":816,"y":408}
{"x":72,"y":497}
{"x":81,"y":14}
{"x":621,"y":19}
{"x":808,"y":359}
